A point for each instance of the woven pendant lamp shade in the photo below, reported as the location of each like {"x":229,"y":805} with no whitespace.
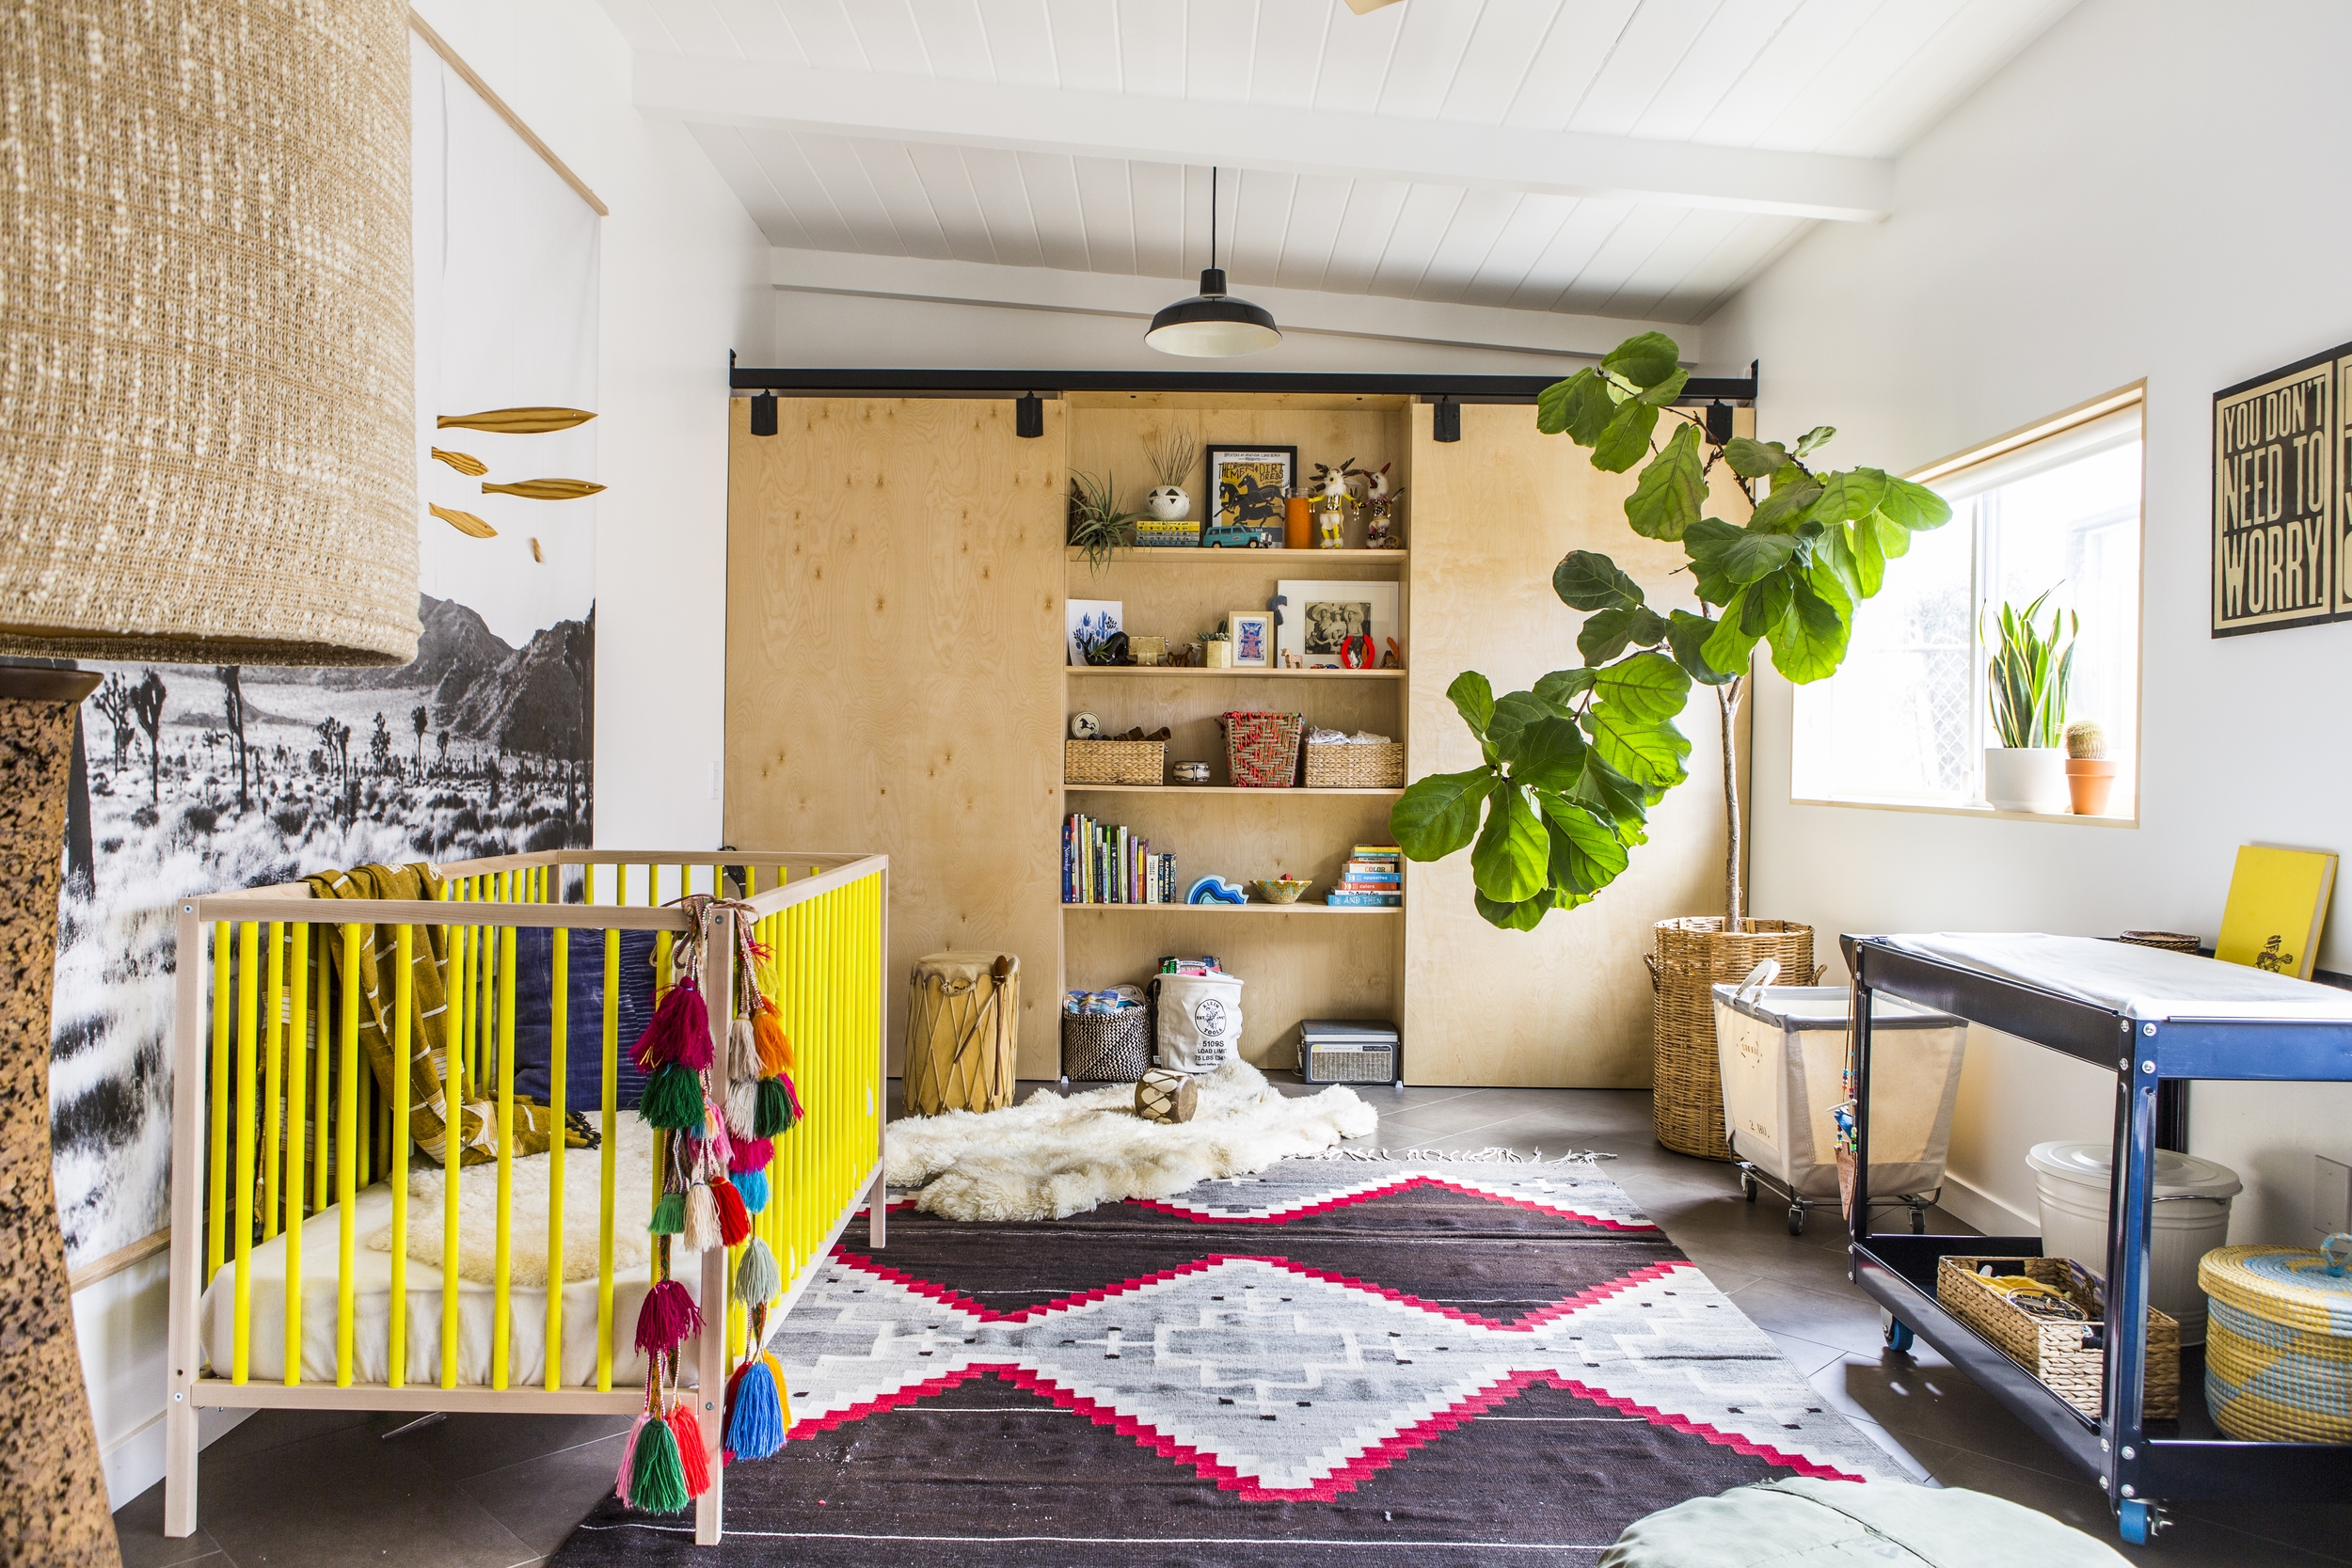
{"x":207,"y":358}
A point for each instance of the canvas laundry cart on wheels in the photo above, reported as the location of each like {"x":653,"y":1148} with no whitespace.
{"x":1782,"y":1053}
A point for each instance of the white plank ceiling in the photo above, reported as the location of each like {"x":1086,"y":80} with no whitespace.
{"x":1851,"y":79}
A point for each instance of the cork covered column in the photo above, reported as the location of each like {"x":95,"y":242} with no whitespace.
{"x":53,"y":1494}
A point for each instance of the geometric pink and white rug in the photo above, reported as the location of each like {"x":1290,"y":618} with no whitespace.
{"x":1467,"y":1362}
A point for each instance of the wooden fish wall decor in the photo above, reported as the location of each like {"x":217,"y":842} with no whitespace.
{"x":473,"y":468}
{"x":464,"y":522}
{"x":545,"y":489}
{"x":517,"y":422}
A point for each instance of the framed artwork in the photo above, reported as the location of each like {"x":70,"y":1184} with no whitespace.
{"x":1246,"y":486}
{"x":1321,"y":616}
{"x":1087,"y":622}
{"x":1253,"y":638}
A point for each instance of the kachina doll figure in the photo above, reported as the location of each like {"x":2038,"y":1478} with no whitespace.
{"x":1331,"y":496}
{"x":1379,"y":509}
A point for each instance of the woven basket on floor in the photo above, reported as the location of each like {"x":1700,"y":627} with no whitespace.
{"x":1113,"y":761}
{"x":1114,"y":1048}
{"x":2053,"y":1351}
{"x":1687,"y":1102}
{"x":1355,"y":767}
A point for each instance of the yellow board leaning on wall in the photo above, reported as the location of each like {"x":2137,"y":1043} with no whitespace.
{"x":2278,"y":905}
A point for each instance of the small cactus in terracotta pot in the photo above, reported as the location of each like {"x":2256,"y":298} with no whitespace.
{"x":2090,"y":771}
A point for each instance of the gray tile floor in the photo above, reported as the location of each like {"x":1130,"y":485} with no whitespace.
{"x":297,"y":1489}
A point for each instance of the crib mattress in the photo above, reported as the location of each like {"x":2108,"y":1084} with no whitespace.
{"x":2134,"y":982}
{"x":372,"y":1297}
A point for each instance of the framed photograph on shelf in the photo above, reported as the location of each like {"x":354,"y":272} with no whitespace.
{"x":1245,"y":489}
{"x":1253,"y":638}
{"x":1087,"y":622}
{"x":1321,"y":617}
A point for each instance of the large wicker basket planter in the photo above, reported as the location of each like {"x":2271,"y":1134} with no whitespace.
{"x":1694,"y":954}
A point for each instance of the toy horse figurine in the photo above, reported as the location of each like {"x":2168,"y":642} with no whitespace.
{"x":1379,"y":506}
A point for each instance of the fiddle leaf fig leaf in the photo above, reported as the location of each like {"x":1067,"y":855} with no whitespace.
{"x":1473,"y":698}
{"x":1587,"y":579}
{"x":1513,"y":851}
{"x":1789,"y":505}
{"x":1686,"y":635}
{"x":1647,"y":359}
{"x":1666,"y":390}
{"x":1730,"y":647}
{"x":1651,"y":754}
{"x":1564,"y":685}
{"x":1766,"y":602}
{"x":1439,"y":815}
{"x":1893,"y":539}
{"x":1811,"y":636}
{"x":1753,"y":459}
{"x":1626,"y":441}
{"x":1525,"y":915}
{"x":1648,"y":687}
{"x":1581,"y":406}
{"x":1912,"y":506}
{"x":1586,"y":853}
{"x":1551,"y":754}
{"x":1737,"y":554}
{"x":1672,"y":490}
{"x":1869,"y":561}
{"x":1848,"y":496}
{"x":1832,"y":553}
{"x":1615,"y":797}
{"x":1514,"y":713}
{"x":1818,"y":435}
{"x":1610,"y":632}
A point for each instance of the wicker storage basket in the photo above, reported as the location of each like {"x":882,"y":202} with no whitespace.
{"x":1113,"y":1048}
{"x":1262,"y":748}
{"x":1336,"y":766}
{"x":1687,"y":1100}
{"x":2054,"y":1351}
{"x":2277,"y":1345}
{"x":1113,"y":761}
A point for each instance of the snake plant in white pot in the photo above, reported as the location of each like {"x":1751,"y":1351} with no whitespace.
{"x":2027,"y":673}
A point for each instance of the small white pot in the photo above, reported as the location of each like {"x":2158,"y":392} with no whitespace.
{"x":2028,"y":777}
{"x":1168,"y":504}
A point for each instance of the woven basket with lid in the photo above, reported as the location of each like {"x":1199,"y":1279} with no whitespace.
{"x":1687,"y":1103}
{"x":2278,"y":1344}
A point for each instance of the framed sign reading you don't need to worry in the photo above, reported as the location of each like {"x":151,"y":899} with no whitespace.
{"x":2279,"y":505}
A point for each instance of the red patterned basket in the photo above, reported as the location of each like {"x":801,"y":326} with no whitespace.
{"x":1262,"y":748}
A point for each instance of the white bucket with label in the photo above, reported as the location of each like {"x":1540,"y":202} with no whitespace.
{"x":1200,"y":1021}
{"x":2191,"y":1218}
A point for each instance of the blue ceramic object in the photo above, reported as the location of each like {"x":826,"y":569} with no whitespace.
{"x":1215,"y":890}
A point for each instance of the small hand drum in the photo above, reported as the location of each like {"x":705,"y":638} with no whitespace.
{"x":1163,"y":1094}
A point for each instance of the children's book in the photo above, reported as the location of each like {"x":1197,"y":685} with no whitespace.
{"x":2278,"y":904}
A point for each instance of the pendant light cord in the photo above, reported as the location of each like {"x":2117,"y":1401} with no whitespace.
{"x":1212,"y":217}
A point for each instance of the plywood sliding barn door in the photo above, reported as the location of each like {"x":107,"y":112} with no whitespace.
{"x":895,"y":581}
{"x":1567,"y":1004}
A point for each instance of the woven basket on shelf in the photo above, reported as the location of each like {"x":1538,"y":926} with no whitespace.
{"x":2053,"y":1350}
{"x":2278,"y":1344}
{"x":1687,"y":1099}
{"x":1262,"y":748}
{"x":2171,"y":942}
{"x":1114,"y":1048}
{"x":1113,"y":761}
{"x":1353,"y":767}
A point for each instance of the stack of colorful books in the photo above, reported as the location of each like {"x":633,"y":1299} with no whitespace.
{"x":1105,"y":863}
{"x":1373,"y":877}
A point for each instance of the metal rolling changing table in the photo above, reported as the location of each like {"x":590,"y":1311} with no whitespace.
{"x":2138,"y":1471}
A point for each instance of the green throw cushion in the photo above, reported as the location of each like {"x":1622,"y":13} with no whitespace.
{"x":1805,"y":1523}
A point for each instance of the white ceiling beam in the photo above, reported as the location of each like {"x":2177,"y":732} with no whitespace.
{"x":1095,"y":293}
{"x":753,"y":95}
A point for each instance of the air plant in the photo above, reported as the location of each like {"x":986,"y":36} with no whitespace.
{"x":1096,"y":525}
{"x":2029,"y":674}
{"x":1173,"y":454}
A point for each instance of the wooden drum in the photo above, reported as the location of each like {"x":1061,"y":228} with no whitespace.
{"x":963,"y":1031}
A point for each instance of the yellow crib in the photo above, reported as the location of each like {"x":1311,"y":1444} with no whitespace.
{"x":295,"y":1275}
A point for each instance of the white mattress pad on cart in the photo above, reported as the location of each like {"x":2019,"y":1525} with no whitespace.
{"x":2136,"y":982}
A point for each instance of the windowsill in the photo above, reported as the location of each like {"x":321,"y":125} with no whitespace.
{"x":1984,"y":812}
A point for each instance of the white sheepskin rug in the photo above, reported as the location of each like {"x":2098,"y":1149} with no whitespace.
{"x":526,"y":1235}
{"x":1055,"y":1155}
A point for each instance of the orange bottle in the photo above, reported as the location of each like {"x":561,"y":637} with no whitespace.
{"x":1298,"y":527}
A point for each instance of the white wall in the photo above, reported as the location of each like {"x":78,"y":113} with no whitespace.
{"x":685,"y":279}
{"x":2152,"y":189}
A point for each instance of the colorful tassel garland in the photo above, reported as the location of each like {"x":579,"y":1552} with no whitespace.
{"x":775,"y":1046}
{"x":743,"y":1108}
{"x":668,"y":1319}
{"x":628,"y":1458}
{"x":692,"y":1459}
{"x":774,"y":1119}
{"x":757,"y":1277}
{"x":742,"y":1050}
{"x":756,"y":1419}
{"x":674,"y":1099}
{"x":657,"y":1480}
{"x":669,"y":1215}
{"x":753,"y":1186}
{"x":792,"y":1093}
{"x":679,"y":1030}
{"x":735,"y":1221}
{"x":702,"y":1219}
{"x":752,"y":1154}
{"x":710,"y":1148}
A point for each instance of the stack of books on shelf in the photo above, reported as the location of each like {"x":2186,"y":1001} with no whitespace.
{"x":1102,"y":864}
{"x":1373,"y":877}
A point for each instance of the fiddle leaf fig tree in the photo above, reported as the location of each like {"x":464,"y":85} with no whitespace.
{"x":1572,"y":767}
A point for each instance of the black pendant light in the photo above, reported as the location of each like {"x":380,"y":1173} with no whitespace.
{"x":1212,"y":324}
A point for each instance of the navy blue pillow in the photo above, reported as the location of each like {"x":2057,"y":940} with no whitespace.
{"x":583,"y":1021}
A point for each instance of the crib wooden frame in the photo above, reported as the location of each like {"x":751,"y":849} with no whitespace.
{"x":825,"y":916}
